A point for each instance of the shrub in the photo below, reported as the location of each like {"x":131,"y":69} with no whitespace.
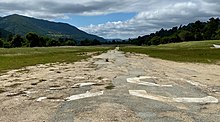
{"x":7,"y":45}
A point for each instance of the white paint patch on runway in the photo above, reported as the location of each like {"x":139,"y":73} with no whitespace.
{"x":82,"y":85}
{"x":137,"y":80}
{"x":41,"y":98}
{"x":197,"y":84}
{"x":85,"y":95}
{"x":208,"y":99}
{"x":144,"y":94}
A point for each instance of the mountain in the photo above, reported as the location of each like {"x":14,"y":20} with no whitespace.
{"x":4,"y":33}
{"x":18,"y":24}
{"x":117,"y":40}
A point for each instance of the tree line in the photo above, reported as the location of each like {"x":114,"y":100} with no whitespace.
{"x":33,"y":40}
{"x":196,"y":31}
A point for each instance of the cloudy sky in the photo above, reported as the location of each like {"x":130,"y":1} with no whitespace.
{"x":116,"y":18}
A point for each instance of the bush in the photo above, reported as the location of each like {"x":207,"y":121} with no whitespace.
{"x":7,"y":45}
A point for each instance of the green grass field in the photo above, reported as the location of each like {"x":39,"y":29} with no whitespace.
{"x":196,"y":51}
{"x":14,"y":58}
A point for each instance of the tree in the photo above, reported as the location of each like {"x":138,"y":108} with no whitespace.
{"x":198,"y":36}
{"x":155,"y":40}
{"x":43,"y":41}
{"x":96,"y":42}
{"x":70,"y":43}
{"x":217,"y":36}
{"x":33,"y":40}
{"x":17,"y":41}
{"x":193,"y":31}
{"x":1,"y":43}
{"x":113,"y":42}
{"x":211,"y":28}
{"x":7,"y":44}
{"x":140,"y":41}
{"x":85,"y":42}
{"x":53,"y":42}
{"x":186,"y":35}
{"x":10,"y":37}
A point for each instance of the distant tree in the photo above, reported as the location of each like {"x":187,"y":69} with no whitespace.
{"x":70,"y":43}
{"x":217,"y":36}
{"x":165,"y":40}
{"x":43,"y":41}
{"x":33,"y":40}
{"x":10,"y":37}
{"x":198,"y":26}
{"x":211,"y":28}
{"x":96,"y":42}
{"x":85,"y":42}
{"x":7,"y":44}
{"x":25,"y":43}
{"x":129,"y":40}
{"x":140,"y":41}
{"x":198,"y":36}
{"x":193,"y":31}
{"x":186,"y":36}
{"x":53,"y":42}
{"x":147,"y":40}
{"x":1,"y":42}
{"x":113,"y":42}
{"x":17,"y":41}
{"x":155,"y":40}
{"x":173,"y":30}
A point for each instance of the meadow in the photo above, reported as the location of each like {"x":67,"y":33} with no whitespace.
{"x":13,"y":58}
{"x":195,"y":51}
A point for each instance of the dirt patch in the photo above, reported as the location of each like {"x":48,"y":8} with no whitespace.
{"x":178,"y":116}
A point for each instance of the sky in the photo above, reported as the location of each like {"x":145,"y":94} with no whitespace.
{"x":116,"y":18}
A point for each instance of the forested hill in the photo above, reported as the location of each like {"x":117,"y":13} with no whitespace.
{"x":4,"y":33}
{"x":196,"y":31}
{"x":22,"y":25}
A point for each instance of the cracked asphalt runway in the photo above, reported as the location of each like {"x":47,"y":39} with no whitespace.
{"x":135,"y":108}
{"x":166,"y":87}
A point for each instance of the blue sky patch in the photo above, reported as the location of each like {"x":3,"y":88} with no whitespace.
{"x":79,"y":20}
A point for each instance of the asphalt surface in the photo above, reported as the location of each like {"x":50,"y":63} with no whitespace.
{"x":116,"y":104}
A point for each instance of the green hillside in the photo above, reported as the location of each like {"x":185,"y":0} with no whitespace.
{"x":4,"y":33}
{"x":18,"y":24}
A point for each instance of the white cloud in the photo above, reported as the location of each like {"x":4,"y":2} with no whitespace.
{"x":157,"y":17}
{"x":151,"y":14}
